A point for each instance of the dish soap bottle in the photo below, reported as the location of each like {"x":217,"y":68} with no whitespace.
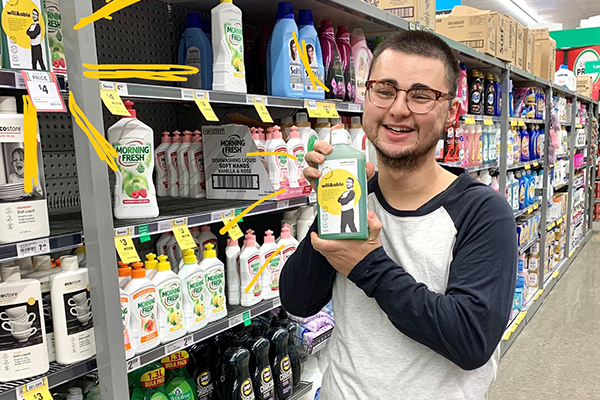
{"x":149,"y":383}
{"x":249,"y":267}
{"x":280,"y":360}
{"x":197,"y":176}
{"x":343,"y":41}
{"x":183,"y":158}
{"x":228,"y":48}
{"x":135,"y":196}
{"x":173,"y":164}
{"x":170,"y":302}
{"x":307,"y":134}
{"x":237,"y":384}
{"x":308,"y":34}
{"x":334,"y":70}
{"x":160,"y":167}
{"x":232,"y":254}
{"x":178,"y":382}
{"x":290,"y":243}
{"x":195,"y":50}
{"x":295,"y":147}
{"x":260,"y":369}
{"x":124,"y":278}
{"x":201,"y":371}
{"x":362,"y":62}
{"x":278,"y":166}
{"x":194,"y":299}
{"x":342,"y":191}
{"x":270,"y":276}
{"x":214,"y":274}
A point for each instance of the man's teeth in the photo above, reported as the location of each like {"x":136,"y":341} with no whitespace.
{"x":399,"y":130}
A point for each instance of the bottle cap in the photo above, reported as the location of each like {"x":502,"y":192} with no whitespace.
{"x":69,"y":263}
{"x":193,"y":20}
{"x":342,"y":30}
{"x":256,"y":331}
{"x":305,"y":17}
{"x":10,"y":273}
{"x":189,"y":257}
{"x":166,"y":138}
{"x":337,"y":121}
{"x":176,"y":137}
{"x":232,"y":243}
{"x":42,"y":263}
{"x":286,"y":232}
{"x":338,"y":135}
{"x":294,"y":133}
{"x":249,"y":240}
{"x":209,"y":251}
{"x":285,"y":10}
{"x":323,"y":121}
{"x":8,"y":104}
{"x":75,"y":393}
{"x":261,"y":135}
{"x":269,"y":238}
{"x":287,"y":120}
{"x":124,"y":271}
{"x":151,"y":262}
{"x":198,"y":136}
{"x":138,"y":272}
{"x":357,"y":35}
{"x":129,"y":106}
{"x":187,"y":137}
{"x":326,"y":24}
{"x":205,"y":228}
{"x":302,"y":117}
{"x":163,"y":263}
{"x":276,"y":132}
{"x":254,"y":133}
{"x":355,"y":121}
{"x":226,"y":1}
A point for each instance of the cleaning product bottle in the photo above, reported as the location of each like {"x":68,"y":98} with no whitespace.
{"x":530,"y":193}
{"x":362,"y":62}
{"x":516,"y":145}
{"x":515,"y":191}
{"x":307,"y":134}
{"x":287,"y":71}
{"x":178,"y":382}
{"x":278,"y":165}
{"x":196,"y":166}
{"x":295,"y":147}
{"x":228,"y":48}
{"x":476,"y":93}
{"x":260,"y":147}
{"x":135,"y":196}
{"x":260,"y":369}
{"x":143,"y":320}
{"x":149,"y":383}
{"x":280,"y":360}
{"x":263,"y":76}
{"x":194,"y":296}
{"x":495,"y":184}
{"x":524,"y":144}
{"x":509,"y":148}
{"x":341,"y":193}
{"x":214,"y":275}
{"x":200,"y":369}
{"x":509,"y":193}
{"x":237,"y":384}
{"x":270,"y":276}
{"x":290,"y":243}
{"x":292,"y":329}
{"x":24,"y":348}
{"x":285,"y":126}
{"x":173,"y":164}
{"x":323,"y":129}
{"x":533,"y":143}
{"x":124,"y":278}
{"x":479,"y":144}
{"x":522,"y":188}
{"x":498,"y":96}
{"x":163,"y":243}
{"x":151,"y":265}
{"x":332,"y":62}
{"x":206,"y":237}
{"x":195,"y":50}
{"x":72,"y":313}
{"x":343,"y":41}
{"x":485,"y":154}
{"x":312,"y":374}
{"x":183,"y":162}
{"x":358,"y":138}
{"x":170,"y":302}
{"x":160,"y":167}
{"x":485,"y":177}
{"x":249,"y":267}
{"x":232,"y":254}
{"x":565,"y":78}
{"x":463,"y":91}
{"x":308,"y":34}
{"x":490,"y":95}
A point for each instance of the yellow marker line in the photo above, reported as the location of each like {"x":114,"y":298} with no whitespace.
{"x":304,"y":57}
{"x":267,"y":261}
{"x":247,"y":210}
{"x":112,"y":7}
{"x":140,"y":71}
{"x":30,"y":144}
{"x":271,"y":153}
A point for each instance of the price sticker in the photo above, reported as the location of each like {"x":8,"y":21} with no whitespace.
{"x":530,"y":210}
{"x":536,"y":206}
{"x":276,"y":302}
{"x":235,"y":232}
{"x":527,"y":166}
{"x":321,"y":109}
{"x":238,"y":319}
{"x":126,"y":248}
{"x":554,"y":275}
{"x":36,"y":390}
{"x":535,"y":164}
{"x":469,"y":121}
{"x":506,"y":335}
{"x":201,"y":99}
{"x":571,"y":253}
{"x":488,"y":122}
{"x":182,"y":234}
{"x":246,"y":316}
{"x":133,"y":364}
{"x":355,"y":107}
{"x":180,"y":344}
{"x":560,"y":220}
{"x":260,"y":103}
{"x":112,"y":100}
{"x":513,"y":123}
{"x":521,"y":123}
{"x":538,"y":294}
{"x":43,"y":90}
{"x":312,"y":197}
{"x":552,"y":225}
{"x":33,"y":247}
{"x":283,"y":204}
{"x":165,"y":226}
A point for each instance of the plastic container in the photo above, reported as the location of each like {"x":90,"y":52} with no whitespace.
{"x":124,"y":278}
{"x":323,"y":129}
{"x":151,"y":265}
{"x":232,"y":255}
{"x":295,"y":147}
{"x":290,"y":243}
{"x":358,"y":137}
{"x":525,"y":155}
{"x":292,"y":329}
{"x":249,"y":267}
{"x":332,"y":62}
{"x":178,"y":382}
{"x":362,"y":62}
{"x":194,"y":295}
{"x":308,"y":34}
{"x":278,"y":165}
{"x":463,"y":91}
{"x":214,"y":275}
{"x":196,"y":167}
{"x":261,"y":372}
{"x":173,"y":164}
{"x":565,"y":77}
{"x":183,"y":162}
{"x":490,"y":95}
{"x":237,"y":383}
{"x":270,"y":276}
{"x":200,"y":368}
{"x":148,"y":383}
{"x":343,"y":41}
{"x":229,"y":72}
{"x":476,"y":91}
{"x":170,"y":320}
{"x":195,"y":50}
{"x":280,"y":360}
{"x":160,"y":165}
{"x":206,"y":237}
{"x":312,"y":374}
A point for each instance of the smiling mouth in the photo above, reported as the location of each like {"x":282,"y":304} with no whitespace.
{"x":398,"y":130}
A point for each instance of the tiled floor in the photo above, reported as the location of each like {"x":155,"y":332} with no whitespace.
{"x":557,"y":356}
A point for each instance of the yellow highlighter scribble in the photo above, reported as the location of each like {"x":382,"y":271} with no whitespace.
{"x":30,"y":143}
{"x":106,"y":152}
{"x":155,"y":72}
{"x":267,"y":261}
{"x":112,"y":7}
{"x":304,"y":57}
{"x":272,"y":153}
{"x":235,"y":220}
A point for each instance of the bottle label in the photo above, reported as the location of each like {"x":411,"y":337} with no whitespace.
{"x":349,"y":79}
{"x":521,"y":194}
{"x":273,"y":270}
{"x":296,"y":77}
{"x":282,"y":165}
{"x":162,"y":163}
{"x":314,"y":65}
{"x":318,"y":394}
{"x":287,"y":252}
{"x":246,"y":390}
{"x":267,"y":386}
{"x":193,"y":59}
{"x":299,"y":154}
{"x":234,"y":33}
{"x":125,"y":320}
{"x":204,"y":386}
{"x":338,"y":196}
{"x":176,"y":360}
{"x":145,"y":305}
{"x":195,"y":288}
{"x":199,"y":157}
{"x":134,"y":158}
{"x":215,"y":284}
{"x":171,"y":299}
{"x":285,"y":375}
{"x":21,"y":327}
{"x":79,"y":316}
{"x":253,"y":268}
{"x":525,"y":148}
{"x":180,"y":389}
{"x":153,"y":379}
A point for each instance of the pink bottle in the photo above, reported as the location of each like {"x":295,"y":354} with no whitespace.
{"x":334,"y":70}
{"x":343,"y":42}
{"x":362,"y":62}
{"x":197,"y":178}
{"x":160,"y":166}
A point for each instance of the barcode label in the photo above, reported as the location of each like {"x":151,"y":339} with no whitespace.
{"x":235,"y":182}
{"x":276,"y":302}
{"x":122,"y":89}
{"x":238,"y":319}
{"x":180,"y":344}
{"x":402,"y":12}
{"x":164,"y":226}
{"x":475,"y":44}
{"x":32,"y":248}
{"x":283,"y":204}
{"x":35,"y":384}
{"x":187,"y":94}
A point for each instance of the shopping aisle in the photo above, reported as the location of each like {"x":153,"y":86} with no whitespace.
{"x":557,"y":355}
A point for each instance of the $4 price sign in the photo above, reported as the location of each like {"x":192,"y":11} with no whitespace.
{"x":43,"y":91}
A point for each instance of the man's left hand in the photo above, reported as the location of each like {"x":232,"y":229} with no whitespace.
{"x":343,"y":255}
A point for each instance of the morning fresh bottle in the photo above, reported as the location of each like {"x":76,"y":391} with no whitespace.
{"x":195,"y":51}
{"x":228,"y":48}
{"x":308,"y":34}
{"x":249,"y":267}
{"x":214,"y":275}
{"x":194,"y":306}
{"x":178,"y":384}
{"x":135,"y":196}
{"x":295,"y":147}
{"x":278,"y":165}
{"x":170,"y":302}
{"x":160,"y":166}
{"x":342,"y":191}
{"x":124,"y":278}
{"x":270,"y":276}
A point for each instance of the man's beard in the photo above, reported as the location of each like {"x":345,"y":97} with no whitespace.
{"x":407,"y":161}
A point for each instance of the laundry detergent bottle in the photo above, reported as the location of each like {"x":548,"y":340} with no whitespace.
{"x":170,"y":302}
{"x":195,"y":51}
{"x":343,"y":42}
{"x":362,"y":62}
{"x":229,"y":73}
{"x":308,"y":34}
{"x":135,"y":195}
{"x":332,"y":62}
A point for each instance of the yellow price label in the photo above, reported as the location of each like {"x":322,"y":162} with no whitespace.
{"x":571,"y":253}
{"x":261,"y":108}
{"x":535,"y":164}
{"x":469,"y":121}
{"x":554,"y":275}
{"x":527,"y":166}
{"x":536,"y":206}
{"x":235,"y":232}
{"x":521,"y":123}
{"x":560,"y":220}
{"x":125,"y":246}
{"x":201,"y":99}
{"x":521,"y":317}
{"x":321,"y":109}
{"x":552,"y":225}
{"x":488,"y":121}
{"x":513,"y":123}
{"x":506,"y":335}
{"x":530,"y":210}
{"x":112,"y":100}
{"x":538,"y":294}
{"x":182,"y":234}
{"x":36,"y":390}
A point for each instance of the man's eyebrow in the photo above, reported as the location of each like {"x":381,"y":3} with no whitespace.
{"x":418,"y":85}
{"x":389,"y":80}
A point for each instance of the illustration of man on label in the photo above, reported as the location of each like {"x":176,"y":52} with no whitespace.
{"x":347,"y":202}
{"x":35,"y":34}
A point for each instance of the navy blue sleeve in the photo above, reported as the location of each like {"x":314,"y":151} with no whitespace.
{"x":466,"y":323}
{"x":306,"y":280}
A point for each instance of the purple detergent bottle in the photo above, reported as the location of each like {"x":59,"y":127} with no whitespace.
{"x":343,"y":41}
{"x":334,"y":70}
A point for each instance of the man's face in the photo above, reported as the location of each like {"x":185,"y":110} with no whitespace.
{"x":17,"y":164}
{"x":349,"y":183}
{"x":404,"y":139}
{"x":35,"y":16}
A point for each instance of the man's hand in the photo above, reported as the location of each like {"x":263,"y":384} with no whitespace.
{"x":343,"y":255}
{"x":317,"y":156}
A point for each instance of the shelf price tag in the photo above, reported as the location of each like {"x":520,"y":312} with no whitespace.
{"x":538,"y":294}
{"x":246,"y":316}
{"x":488,"y":121}
{"x":44,"y":92}
{"x":513,"y":123}
{"x":112,"y":100}
{"x":182,"y":234}
{"x":321,"y":109}
{"x":260,"y":103}
{"x":469,"y":121}
{"x":521,"y":122}
{"x":527,"y":166}
{"x":235,"y":232}
{"x":201,"y":99}
{"x":33,"y":247}
{"x":36,"y":390}
{"x":125,"y":246}
{"x":554,"y":275}
{"x":530,"y":210}
{"x":536,"y":206}
{"x":552,"y":225}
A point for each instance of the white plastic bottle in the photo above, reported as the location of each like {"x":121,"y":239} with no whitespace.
{"x":232,"y":254}
{"x":72,"y":313}
{"x":278,"y":165}
{"x":124,"y":278}
{"x":135,"y":195}
{"x":515,"y":191}
{"x":323,"y":129}
{"x":170,"y":319}
{"x":194,"y":296}
{"x":307,"y":134}
{"x":142,"y":322}
{"x":183,"y":162}
{"x":290,"y":243}
{"x":270,"y":275}
{"x":151,"y":265}
{"x":306,"y":217}
{"x":206,"y":237}
{"x":290,"y":217}
{"x":260,"y":146}
{"x":197,"y":177}
{"x":249,"y":267}
{"x":295,"y":147}
{"x":173,"y":251}
{"x":214,"y":276}
{"x":173,"y":164}
{"x":22,"y":322}
{"x":358,"y":138}
{"x":313,"y":374}
{"x":229,"y":72}
{"x":162,"y":244}
{"x":160,"y":166}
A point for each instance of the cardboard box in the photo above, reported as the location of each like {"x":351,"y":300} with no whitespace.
{"x":543,"y":33}
{"x":528,"y":50}
{"x":584,"y":85}
{"x":422,"y":11}
{"x":470,"y":26}
{"x":544,"y":54}
{"x":506,"y":29}
{"x":520,"y":47}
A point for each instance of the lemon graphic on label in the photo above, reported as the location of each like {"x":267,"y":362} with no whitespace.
{"x":333,"y":185}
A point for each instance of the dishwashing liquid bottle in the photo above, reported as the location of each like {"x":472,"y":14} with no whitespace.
{"x":194,"y":297}
{"x":178,"y":382}
{"x":214,"y":275}
{"x":229,"y":72}
{"x":170,"y":302}
{"x":249,"y":267}
{"x":270,"y":275}
{"x":232,"y":254}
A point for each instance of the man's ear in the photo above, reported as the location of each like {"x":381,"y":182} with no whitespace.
{"x":452,"y":112}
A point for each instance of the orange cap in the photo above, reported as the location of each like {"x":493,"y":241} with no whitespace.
{"x":138,"y":271}
{"x":124,"y":271}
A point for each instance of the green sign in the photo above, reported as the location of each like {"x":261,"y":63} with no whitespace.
{"x":592,"y":67}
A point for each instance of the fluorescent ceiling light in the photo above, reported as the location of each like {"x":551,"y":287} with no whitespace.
{"x":522,"y":11}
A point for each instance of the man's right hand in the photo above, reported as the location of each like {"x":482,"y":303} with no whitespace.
{"x":317,"y":156}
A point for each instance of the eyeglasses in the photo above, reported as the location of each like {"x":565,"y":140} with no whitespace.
{"x":419,"y":101}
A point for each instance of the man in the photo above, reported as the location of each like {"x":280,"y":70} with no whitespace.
{"x":35,"y":34}
{"x":347,"y":202}
{"x":421,"y":305}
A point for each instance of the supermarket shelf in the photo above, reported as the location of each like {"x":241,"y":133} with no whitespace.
{"x":555,"y":222}
{"x":526,"y":164}
{"x":534,"y":305}
{"x":479,"y":118}
{"x":474,"y":168}
{"x":528,"y":210}
{"x":596,"y":200}
{"x":12,"y":79}
{"x":565,"y":123}
{"x":528,"y":120}
{"x":579,"y":168}
{"x":568,"y":93}
{"x":56,"y":375}
{"x":235,"y":317}
{"x":582,"y":147}
{"x":561,"y":186}
{"x":527,"y":245}
{"x":302,"y":389}
{"x":524,"y":75}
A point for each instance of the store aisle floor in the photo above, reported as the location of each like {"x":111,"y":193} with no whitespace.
{"x":557,"y":355}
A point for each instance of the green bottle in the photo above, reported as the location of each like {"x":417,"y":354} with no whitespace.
{"x":342,"y":191}
{"x":149,"y":383}
{"x":179,"y":383}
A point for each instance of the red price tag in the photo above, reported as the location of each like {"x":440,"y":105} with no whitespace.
{"x":44,"y":91}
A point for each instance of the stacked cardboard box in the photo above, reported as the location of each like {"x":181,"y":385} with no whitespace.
{"x":544,"y":54}
{"x":470,"y":26}
{"x":528,"y":50}
{"x":584,"y":85}
{"x":422,"y":11}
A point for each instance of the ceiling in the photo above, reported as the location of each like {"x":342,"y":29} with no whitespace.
{"x":566,"y":12}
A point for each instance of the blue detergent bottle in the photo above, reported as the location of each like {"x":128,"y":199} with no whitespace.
{"x":309,"y":35}
{"x":533,"y":143}
{"x":195,"y":50}
{"x":525,"y":155}
{"x":522,"y":188}
{"x":287,"y":72}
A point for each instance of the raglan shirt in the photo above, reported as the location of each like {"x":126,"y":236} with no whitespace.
{"x":422,"y":316}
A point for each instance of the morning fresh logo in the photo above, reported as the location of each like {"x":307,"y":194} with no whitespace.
{"x":124,"y":313}
{"x":146,"y":306}
{"x":215,"y":280}
{"x":233,"y":145}
{"x":132,"y":153}
{"x":53,"y":18}
{"x":274,"y":264}
{"x":254,"y":267}
{"x":234,"y":33}
{"x":171,"y":294}
{"x":196,"y":286}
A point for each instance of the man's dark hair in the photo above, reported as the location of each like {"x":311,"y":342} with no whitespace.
{"x":426,"y":44}
{"x":350,"y":179}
